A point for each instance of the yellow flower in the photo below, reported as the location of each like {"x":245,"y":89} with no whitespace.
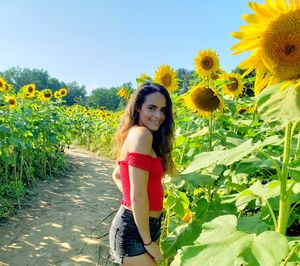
{"x":143,"y":78}
{"x":235,"y":84}
{"x":166,"y":76}
{"x":35,"y":107}
{"x":123,"y":93}
{"x":187,"y":216}
{"x":63,"y":92}
{"x":46,"y":94}
{"x":57,"y":95}
{"x":249,"y":109}
{"x":273,"y":36}
{"x":12,"y":101}
{"x":206,"y":62}
{"x":203,"y":100}
{"x":8,"y":87}
{"x":2,"y":84}
{"x":29,"y":90}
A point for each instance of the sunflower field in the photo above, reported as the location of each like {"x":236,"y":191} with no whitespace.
{"x":235,"y":197}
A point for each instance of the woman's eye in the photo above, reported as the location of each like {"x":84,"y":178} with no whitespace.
{"x":151,"y":108}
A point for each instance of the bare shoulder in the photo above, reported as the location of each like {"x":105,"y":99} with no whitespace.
{"x":139,"y":139}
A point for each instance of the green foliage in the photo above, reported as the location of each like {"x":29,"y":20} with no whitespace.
{"x":220,"y":243}
{"x":279,"y":107}
{"x":105,"y":98}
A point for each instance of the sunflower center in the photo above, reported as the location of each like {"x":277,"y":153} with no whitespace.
{"x":12,"y":101}
{"x":167,"y":80}
{"x":290,"y":48}
{"x":1,"y":84}
{"x":281,"y":46}
{"x":207,"y":62}
{"x":205,"y":99}
{"x":47,"y":94}
{"x":30,"y":89}
{"x":233,"y":85}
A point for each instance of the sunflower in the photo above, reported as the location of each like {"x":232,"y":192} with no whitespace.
{"x":8,"y":87}
{"x":2,"y":84}
{"x":123,"y":93}
{"x":273,"y":36}
{"x":57,"y":95}
{"x":143,"y":78}
{"x":217,"y":74}
{"x":46,"y":94}
{"x":203,"y":100}
{"x":166,"y":76}
{"x":29,"y":90}
{"x":12,"y":101}
{"x":63,"y":92}
{"x":206,"y":62}
{"x":234,"y":85}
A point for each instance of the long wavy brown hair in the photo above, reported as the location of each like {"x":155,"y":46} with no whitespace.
{"x":163,"y":138}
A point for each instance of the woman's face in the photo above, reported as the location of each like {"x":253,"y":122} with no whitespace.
{"x":152,"y":112}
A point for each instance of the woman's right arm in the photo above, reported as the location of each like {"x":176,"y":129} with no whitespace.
{"x":117,"y":178}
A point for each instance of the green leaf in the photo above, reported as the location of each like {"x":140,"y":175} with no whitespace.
{"x":277,"y":107}
{"x":220,"y":243}
{"x":294,"y":168}
{"x":270,"y":248}
{"x":227,"y":157}
{"x":252,"y":224}
{"x":5,"y":129}
{"x":252,"y":165}
{"x":196,"y":179}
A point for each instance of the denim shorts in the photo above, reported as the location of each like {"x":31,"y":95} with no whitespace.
{"x":124,"y":237}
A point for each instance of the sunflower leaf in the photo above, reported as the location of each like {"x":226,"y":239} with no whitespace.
{"x":278,"y":107}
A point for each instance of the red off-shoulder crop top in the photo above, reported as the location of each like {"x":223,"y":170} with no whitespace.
{"x":148,"y":163}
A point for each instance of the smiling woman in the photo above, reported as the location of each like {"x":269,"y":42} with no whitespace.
{"x":144,"y":141}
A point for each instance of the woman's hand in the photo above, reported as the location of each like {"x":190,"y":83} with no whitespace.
{"x":154,"y":251}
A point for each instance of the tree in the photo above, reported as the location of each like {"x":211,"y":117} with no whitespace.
{"x":19,"y":77}
{"x":186,"y":77}
{"x":106,"y":98}
{"x":76,"y":94}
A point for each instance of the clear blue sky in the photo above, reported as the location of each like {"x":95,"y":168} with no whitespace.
{"x":107,"y":43}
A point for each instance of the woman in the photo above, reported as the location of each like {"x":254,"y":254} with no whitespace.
{"x":144,"y":141}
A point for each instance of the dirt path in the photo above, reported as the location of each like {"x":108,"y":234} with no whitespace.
{"x":67,"y":223}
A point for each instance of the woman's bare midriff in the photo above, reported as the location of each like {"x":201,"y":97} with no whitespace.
{"x":154,"y":214}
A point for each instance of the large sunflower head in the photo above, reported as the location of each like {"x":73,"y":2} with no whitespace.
{"x":12,"y":101}
{"x":166,"y":76}
{"x":234,"y":84}
{"x":206,"y":62}
{"x":273,"y":36}
{"x":203,"y":100}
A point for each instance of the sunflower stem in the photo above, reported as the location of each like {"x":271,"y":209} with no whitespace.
{"x":297,"y":152}
{"x":293,"y":251}
{"x":284,"y":205}
{"x":210,"y":130}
